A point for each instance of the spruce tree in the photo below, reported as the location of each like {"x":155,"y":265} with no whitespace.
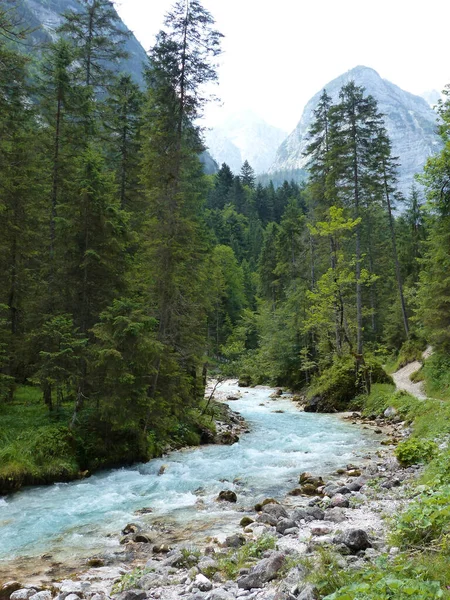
{"x":182,"y":63}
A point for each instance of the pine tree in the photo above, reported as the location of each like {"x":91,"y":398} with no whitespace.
{"x":123,"y":122}
{"x":247,"y":175}
{"x":181,"y":65}
{"x":98,"y":38}
{"x":354,"y":122}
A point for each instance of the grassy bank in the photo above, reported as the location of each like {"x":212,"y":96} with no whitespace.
{"x":38,"y":447}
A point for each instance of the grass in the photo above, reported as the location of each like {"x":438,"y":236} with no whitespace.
{"x":233,"y":561}
{"x":37,"y":446}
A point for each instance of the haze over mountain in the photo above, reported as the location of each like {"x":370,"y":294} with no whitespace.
{"x":244,"y":136}
{"x":410,"y":122}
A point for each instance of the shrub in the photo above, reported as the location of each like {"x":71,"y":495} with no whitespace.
{"x":410,"y":351}
{"x":413,"y":451}
{"x":425,"y":521}
{"x":388,"y":588}
{"x":340,"y":383}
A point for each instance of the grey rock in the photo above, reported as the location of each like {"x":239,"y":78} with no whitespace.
{"x":77,"y":597}
{"x":314,"y":511}
{"x":152,"y":580}
{"x":220,"y":594}
{"x":298,"y":514}
{"x":284,"y":524}
{"x":268,"y":519}
{"x":23,"y":594}
{"x":206,"y":564}
{"x":309,"y":592}
{"x":390,"y":412}
{"x":291,"y":531}
{"x":264,"y":571}
{"x":339,"y":501}
{"x":342,"y":490}
{"x":174,"y":559}
{"x":131,"y":595}
{"x":235,"y":541}
{"x":354,"y":539}
{"x":44,"y":595}
{"x":275,"y":510}
{"x":354,"y":486}
{"x":203,"y":583}
{"x":330,"y":489}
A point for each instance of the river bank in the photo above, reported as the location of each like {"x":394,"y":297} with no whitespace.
{"x":161,"y":536}
{"x":347,"y":514}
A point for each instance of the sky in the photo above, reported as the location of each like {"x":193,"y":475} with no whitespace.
{"x":277,"y":54}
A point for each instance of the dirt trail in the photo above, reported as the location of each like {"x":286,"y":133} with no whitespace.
{"x":402,"y":377}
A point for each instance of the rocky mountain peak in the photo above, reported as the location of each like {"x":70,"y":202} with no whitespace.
{"x":410,"y":122}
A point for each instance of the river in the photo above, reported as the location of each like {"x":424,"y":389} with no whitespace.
{"x":69,"y":522}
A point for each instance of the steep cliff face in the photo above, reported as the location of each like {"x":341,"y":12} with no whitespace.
{"x":45,"y":16}
{"x":245,"y":136}
{"x":410,"y":122}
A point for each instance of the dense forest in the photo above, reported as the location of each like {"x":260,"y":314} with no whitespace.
{"x":127,"y":273}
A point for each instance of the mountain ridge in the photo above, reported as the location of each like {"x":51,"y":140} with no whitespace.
{"x":409,"y":120}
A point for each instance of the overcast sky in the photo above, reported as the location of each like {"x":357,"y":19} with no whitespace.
{"x":279,"y":53}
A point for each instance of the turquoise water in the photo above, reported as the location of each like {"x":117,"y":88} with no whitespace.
{"x":83,"y":517}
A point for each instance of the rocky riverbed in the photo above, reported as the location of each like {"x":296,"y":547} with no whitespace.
{"x":344,"y":510}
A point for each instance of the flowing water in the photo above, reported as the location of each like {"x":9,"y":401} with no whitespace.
{"x":79,"y":519}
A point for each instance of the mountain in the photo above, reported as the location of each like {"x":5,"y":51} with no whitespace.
{"x":45,"y":16}
{"x":244,"y":136}
{"x":410,"y":122}
{"x":432,"y":97}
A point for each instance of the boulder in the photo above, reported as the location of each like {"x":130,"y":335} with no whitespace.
{"x":275,"y":510}
{"x":284,"y":524}
{"x":298,"y":514}
{"x":227,"y":496}
{"x":390,"y":412}
{"x":339,"y":501}
{"x":319,"y":531}
{"x":309,"y":592}
{"x":203,"y":583}
{"x":174,"y":559}
{"x":8,"y":588}
{"x":264,"y":571}
{"x":315,"y":512}
{"x":226,"y":438}
{"x":206,"y":565}
{"x":130,"y":528}
{"x":246,"y":521}
{"x":44,"y":595}
{"x":220,"y":594}
{"x":267,"y":519}
{"x":235,"y":541}
{"x":145,"y":538}
{"x":335,"y":515}
{"x":131,"y":595}
{"x":309,"y":489}
{"x":23,"y":594}
{"x":354,"y":539}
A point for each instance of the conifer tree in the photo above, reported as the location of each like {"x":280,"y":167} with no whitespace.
{"x":247,"y":175}
{"x":182,"y":62}
{"x":123,"y":122}
{"x":353,"y":126}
